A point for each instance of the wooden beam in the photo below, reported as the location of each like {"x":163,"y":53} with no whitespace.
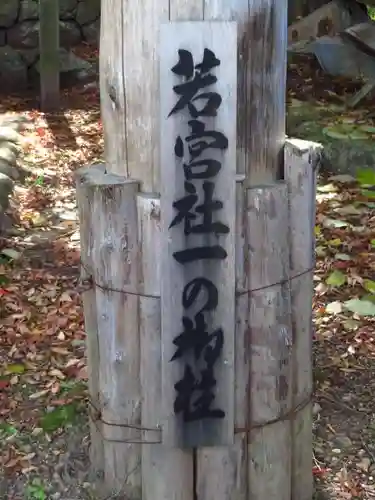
{"x":302,"y":159}
{"x":129,"y":59}
{"x":269,"y":343}
{"x":166,"y":472}
{"x":222,"y":471}
{"x":91,"y":323}
{"x":111,"y":229}
{"x":49,"y":63}
{"x":262,"y":43}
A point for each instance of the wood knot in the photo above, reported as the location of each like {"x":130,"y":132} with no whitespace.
{"x":112,"y":94}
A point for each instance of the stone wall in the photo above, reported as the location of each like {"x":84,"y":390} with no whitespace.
{"x":19,"y":37}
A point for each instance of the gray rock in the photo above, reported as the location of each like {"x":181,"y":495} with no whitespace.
{"x":2,"y":37}
{"x":8,"y":129}
{"x":67,"y":8}
{"x":12,"y":171}
{"x":340,"y":58}
{"x":342,"y":441}
{"x":70,"y":62}
{"x":24,"y":35}
{"x":6,"y":188}
{"x":6,"y":184}
{"x":28,"y":10}
{"x":85,"y":75}
{"x":13,"y":71}
{"x":88,"y":11}
{"x":29,"y":56}
{"x":10,"y":146}
{"x":91,"y":32}
{"x":70,"y":34}
{"x":8,"y":12}
{"x":6,"y":154}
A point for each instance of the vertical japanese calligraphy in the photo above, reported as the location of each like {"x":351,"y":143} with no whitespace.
{"x":195,"y":392}
{"x":198,"y":212}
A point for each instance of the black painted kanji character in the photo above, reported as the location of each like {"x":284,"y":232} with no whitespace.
{"x":199,"y":139}
{"x":187,"y":210}
{"x":196,"y":287}
{"x":199,"y":408}
{"x":197,"y":78}
{"x":196,"y":338}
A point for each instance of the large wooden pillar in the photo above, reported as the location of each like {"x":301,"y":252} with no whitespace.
{"x":124,"y":234}
{"x":129,"y":83}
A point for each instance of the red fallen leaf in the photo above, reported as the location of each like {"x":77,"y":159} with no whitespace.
{"x":12,"y":463}
{"x":342,"y":265}
{"x":3,"y":384}
{"x":61,"y":402}
{"x":82,"y":374}
{"x":318,"y":471}
{"x":41,"y":131}
{"x":3,"y":292}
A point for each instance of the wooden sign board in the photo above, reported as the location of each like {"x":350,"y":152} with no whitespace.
{"x":198,"y":85}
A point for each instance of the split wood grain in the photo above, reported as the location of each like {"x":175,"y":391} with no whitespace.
{"x":91,"y":324}
{"x":270,"y":343}
{"x":114,"y":256}
{"x":130,"y":87}
{"x":302,"y":160}
{"x":167,"y":473}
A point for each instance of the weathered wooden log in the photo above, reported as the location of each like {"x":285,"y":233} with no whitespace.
{"x":269,"y":343}
{"x":91,"y":325}
{"x":129,"y":83}
{"x":111,"y":230}
{"x":222,"y":471}
{"x":167,"y":473}
{"x":301,"y":163}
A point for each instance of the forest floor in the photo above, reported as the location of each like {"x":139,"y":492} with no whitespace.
{"x":44,"y":432}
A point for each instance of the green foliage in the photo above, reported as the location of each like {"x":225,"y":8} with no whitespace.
{"x":35,"y":490}
{"x":369,"y":285}
{"x":366,"y":177}
{"x":336,"y":279}
{"x":7,"y":430}
{"x":60,"y":417}
{"x":4,"y":280}
{"x":360,"y":307}
{"x":39,"y":181}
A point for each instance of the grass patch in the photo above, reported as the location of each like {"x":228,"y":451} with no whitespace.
{"x":35,"y":490}
{"x":62,"y":416}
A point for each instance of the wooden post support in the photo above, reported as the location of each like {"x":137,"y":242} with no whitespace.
{"x":198,"y":153}
{"x":110,"y":227}
{"x":91,"y":320}
{"x":166,"y":472}
{"x":270,"y":347}
{"x":49,"y":62}
{"x":222,"y":471}
{"x":302,"y":160}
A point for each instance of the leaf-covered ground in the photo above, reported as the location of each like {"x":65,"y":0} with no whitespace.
{"x":43,"y":422}
{"x":43,"y":425}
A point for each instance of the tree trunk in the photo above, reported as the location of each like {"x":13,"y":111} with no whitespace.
{"x":49,"y":41}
